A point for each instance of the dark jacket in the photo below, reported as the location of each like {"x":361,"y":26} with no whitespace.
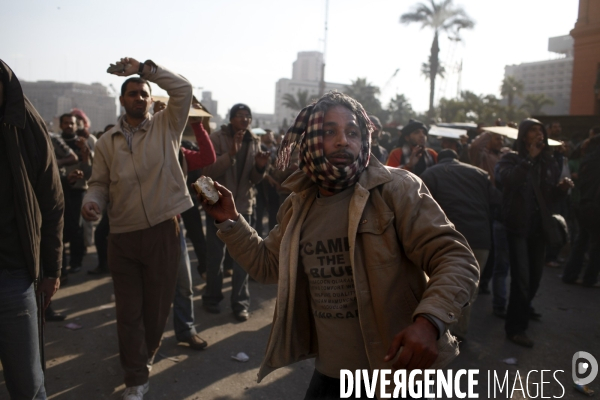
{"x":589,"y":185}
{"x":38,"y":194}
{"x":517,"y":175}
{"x":465,"y":193}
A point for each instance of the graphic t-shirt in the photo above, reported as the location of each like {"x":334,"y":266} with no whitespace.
{"x":325,"y":257}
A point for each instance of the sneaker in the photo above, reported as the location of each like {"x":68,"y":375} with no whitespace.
{"x":195,"y":342}
{"x":521,"y":339}
{"x":136,"y":392}
{"x":242,"y":315}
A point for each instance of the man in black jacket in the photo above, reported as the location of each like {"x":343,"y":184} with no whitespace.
{"x":519,"y":173}
{"x":466,"y":194}
{"x":31,"y":223}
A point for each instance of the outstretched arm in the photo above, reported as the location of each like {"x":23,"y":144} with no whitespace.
{"x":260,"y":258}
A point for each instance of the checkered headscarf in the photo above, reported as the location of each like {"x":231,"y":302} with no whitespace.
{"x":307,"y":131}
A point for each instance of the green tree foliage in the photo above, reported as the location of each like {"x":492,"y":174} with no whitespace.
{"x":400,"y":110}
{"x":298,"y":102}
{"x":510,"y":89}
{"x":366,"y":94}
{"x":477,"y":108}
{"x":441,"y":17}
{"x":534,"y":103}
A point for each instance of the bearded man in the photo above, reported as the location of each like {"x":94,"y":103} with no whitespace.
{"x":351,"y":253}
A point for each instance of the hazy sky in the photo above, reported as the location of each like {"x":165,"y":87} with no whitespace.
{"x":239,"y":49}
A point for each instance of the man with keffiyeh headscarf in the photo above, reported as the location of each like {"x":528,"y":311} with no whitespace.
{"x":370,"y":271}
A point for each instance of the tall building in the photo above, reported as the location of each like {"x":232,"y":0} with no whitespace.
{"x":53,"y":99}
{"x":308,"y":66}
{"x":585,"y":92}
{"x":306,"y":75}
{"x":550,"y":77}
{"x":212,"y":106}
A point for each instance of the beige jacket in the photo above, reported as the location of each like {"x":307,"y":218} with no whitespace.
{"x":406,"y":256}
{"x":224,"y":170}
{"x":145,"y":186}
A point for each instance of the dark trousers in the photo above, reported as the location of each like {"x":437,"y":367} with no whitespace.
{"x":267,"y":199}
{"x":323,"y":387}
{"x":144,"y":267}
{"x":213,"y":293}
{"x":487,"y":270}
{"x":526,"y":267}
{"x":73,"y":229}
{"x":585,"y":240}
{"x":193,"y":231}
{"x":101,"y":240}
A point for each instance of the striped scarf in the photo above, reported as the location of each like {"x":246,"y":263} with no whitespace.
{"x":307,"y":131}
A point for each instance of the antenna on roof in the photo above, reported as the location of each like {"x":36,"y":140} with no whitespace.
{"x":322,"y":82}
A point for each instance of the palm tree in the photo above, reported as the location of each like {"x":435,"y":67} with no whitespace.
{"x":442,"y":16}
{"x":426,"y":70}
{"x":400,"y":110}
{"x":534,"y":103}
{"x":298,"y":102}
{"x":366,"y":94}
{"x":511,"y":88}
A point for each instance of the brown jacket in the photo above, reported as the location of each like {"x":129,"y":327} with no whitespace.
{"x":38,"y":192}
{"x":224,"y":170}
{"x":145,"y":185}
{"x":406,"y":256}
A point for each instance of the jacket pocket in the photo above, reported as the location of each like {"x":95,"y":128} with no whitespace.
{"x":379,"y":241}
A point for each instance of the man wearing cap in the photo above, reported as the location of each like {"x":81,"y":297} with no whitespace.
{"x":354,"y":245}
{"x":411,"y":153}
{"x":240,"y":165}
{"x":136,"y":166}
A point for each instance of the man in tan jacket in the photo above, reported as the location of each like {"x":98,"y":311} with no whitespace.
{"x":240,"y":165}
{"x":136,"y":171}
{"x":365,"y":260}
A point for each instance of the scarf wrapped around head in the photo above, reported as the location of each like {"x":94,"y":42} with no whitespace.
{"x":307,"y":131}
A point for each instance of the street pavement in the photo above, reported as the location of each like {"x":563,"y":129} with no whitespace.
{"x":84,"y":363}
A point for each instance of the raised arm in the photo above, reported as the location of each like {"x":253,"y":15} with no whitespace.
{"x":174,"y":118}
{"x":207,"y":154}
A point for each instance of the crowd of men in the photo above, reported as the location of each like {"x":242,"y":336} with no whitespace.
{"x":358,"y":240}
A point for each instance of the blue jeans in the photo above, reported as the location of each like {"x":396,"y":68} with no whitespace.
{"x":19,"y":345}
{"x":213,"y":294}
{"x":501,"y":266}
{"x":183,"y":305}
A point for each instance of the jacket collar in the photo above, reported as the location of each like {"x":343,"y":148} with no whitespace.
{"x":118,"y":128}
{"x":15,"y":112}
{"x":374,"y":175}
